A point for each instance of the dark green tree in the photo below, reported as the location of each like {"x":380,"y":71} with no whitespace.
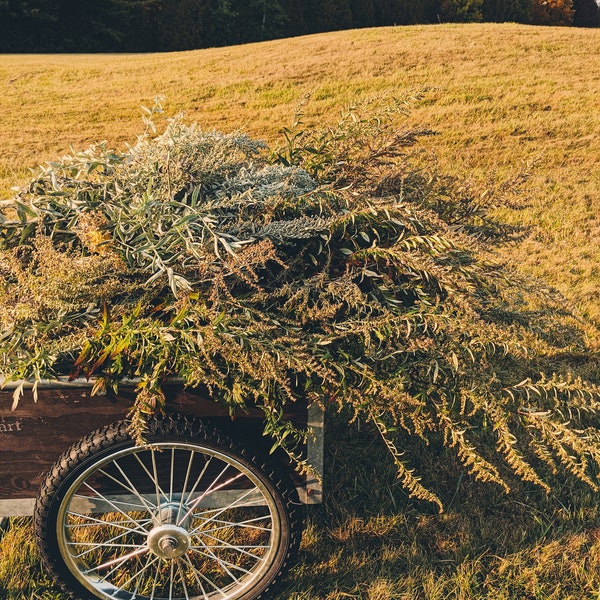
{"x":403,"y":12}
{"x":258,"y":20}
{"x":178,"y":25}
{"x":587,"y":13}
{"x":220,"y":17}
{"x":26,"y":26}
{"x":501,"y":11}
{"x":327,"y":15}
{"x":89,"y":26}
{"x":363,"y":12}
{"x":294,"y":11}
{"x":461,"y":11}
{"x":75,"y":25}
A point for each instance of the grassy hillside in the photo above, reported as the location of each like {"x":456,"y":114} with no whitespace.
{"x":509,"y":104}
{"x":505,"y":100}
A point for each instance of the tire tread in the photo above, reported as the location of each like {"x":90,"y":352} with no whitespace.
{"x":171,"y":425}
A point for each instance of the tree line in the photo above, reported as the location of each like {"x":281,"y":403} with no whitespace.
{"x":166,"y":25}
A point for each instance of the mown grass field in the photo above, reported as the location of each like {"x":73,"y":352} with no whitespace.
{"x":509,"y":105}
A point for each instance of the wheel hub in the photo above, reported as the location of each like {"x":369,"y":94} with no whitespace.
{"x":168,"y":541}
{"x":169,"y":537}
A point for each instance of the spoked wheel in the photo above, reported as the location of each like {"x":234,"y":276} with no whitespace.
{"x":189,"y":516}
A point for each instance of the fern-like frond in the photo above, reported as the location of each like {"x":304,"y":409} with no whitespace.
{"x":410,"y":482}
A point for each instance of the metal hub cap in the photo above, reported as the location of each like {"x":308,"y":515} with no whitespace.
{"x":168,"y":541}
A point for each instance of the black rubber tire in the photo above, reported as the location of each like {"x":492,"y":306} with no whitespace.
{"x":4,"y":525}
{"x":100,"y":448}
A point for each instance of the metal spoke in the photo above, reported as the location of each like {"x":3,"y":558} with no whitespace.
{"x":203,"y":495}
{"x":132,"y":488}
{"x":125,"y":503}
{"x":225,"y":545}
{"x":101,"y":522}
{"x":172,"y":474}
{"x":159,"y":490}
{"x":148,"y":564}
{"x":195,"y":574}
{"x":117,"y":509}
{"x":185,"y":483}
{"x":97,"y":546}
{"x":221,"y":562}
{"x":171,"y":582}
{"x":211,"y":491}
{"x":229,"y":524}
{"x":206,"y":579}
{"x":198,"y":480}
{"x":117,"y":561}
{"x":150,"y":476}
{"x":230,"y":506}
{"x":190,"y":523}
{"x":155,"y":582}
{"x":182,"y":576}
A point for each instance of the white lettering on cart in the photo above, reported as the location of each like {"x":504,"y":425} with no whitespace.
{"x":10,"y":426}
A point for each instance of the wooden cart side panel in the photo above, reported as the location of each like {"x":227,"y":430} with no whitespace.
{"x":33,"y":436}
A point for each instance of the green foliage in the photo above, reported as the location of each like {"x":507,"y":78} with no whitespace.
{"x":461,"y":10}
{"x":331,"y":269}
{"x":501,"y":11}
{"x":587,"y":13}
{"x":328,"y":15}
{"x":70,"y":25}
{"x":165,"y":25}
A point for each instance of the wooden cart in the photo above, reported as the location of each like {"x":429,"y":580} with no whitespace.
{"x":202,"y":510}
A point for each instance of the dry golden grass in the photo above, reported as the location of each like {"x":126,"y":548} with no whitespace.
{"x":505,"y":100}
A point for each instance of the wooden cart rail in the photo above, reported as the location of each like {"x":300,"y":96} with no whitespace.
{"x":53,"y":415}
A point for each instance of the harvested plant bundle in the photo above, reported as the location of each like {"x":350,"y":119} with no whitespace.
{"x":331,"y":269}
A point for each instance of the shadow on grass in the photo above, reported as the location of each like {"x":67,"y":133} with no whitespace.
{"x":369,"y":540}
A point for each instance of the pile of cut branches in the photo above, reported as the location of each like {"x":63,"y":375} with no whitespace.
{"x":330,"y":269}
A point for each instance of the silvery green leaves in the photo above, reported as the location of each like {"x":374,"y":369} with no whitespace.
{"x":167,"y":206}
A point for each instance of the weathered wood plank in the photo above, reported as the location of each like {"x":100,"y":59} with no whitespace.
{"x":35,"y":434}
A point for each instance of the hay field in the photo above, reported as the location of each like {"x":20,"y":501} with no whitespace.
{"x":510,"y":105}
{"x":505,"y":100}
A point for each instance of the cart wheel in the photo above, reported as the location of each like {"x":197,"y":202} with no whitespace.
{"x":188,"y":516}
